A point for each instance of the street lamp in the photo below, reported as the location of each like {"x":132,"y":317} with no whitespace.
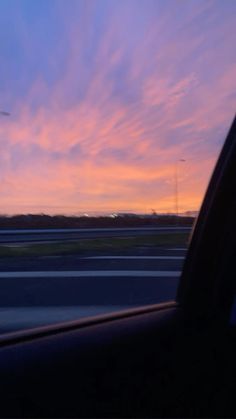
{"x":177,"y":186}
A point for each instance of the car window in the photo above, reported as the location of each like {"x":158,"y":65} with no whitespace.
{"x":113,"y":114}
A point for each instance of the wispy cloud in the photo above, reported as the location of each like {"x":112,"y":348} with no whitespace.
{"x":107,"y":96}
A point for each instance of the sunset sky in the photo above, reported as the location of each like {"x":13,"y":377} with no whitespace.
{"x":106,"y":96}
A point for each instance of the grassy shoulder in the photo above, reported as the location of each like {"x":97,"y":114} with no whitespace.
{"x":100,"y":244}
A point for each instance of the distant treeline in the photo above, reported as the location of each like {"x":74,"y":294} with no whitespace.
{"x":61,"y":221}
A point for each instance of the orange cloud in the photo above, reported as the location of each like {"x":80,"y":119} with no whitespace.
{"x":107,"y":133}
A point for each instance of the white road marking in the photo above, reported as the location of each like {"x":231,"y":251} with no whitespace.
{"x":179,"y":248}
{"x":86,"y":274}
{"x":135,"y":257}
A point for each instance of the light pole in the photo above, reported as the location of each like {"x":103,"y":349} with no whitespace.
{"x":177,"y":186}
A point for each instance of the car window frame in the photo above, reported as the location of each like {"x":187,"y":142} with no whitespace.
{"x":203,"y":290}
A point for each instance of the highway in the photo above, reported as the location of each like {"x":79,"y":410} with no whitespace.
{"x":34,"y":235}
{"x":36,"y":291}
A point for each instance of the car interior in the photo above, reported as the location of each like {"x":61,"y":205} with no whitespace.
{"x":175,"y":359}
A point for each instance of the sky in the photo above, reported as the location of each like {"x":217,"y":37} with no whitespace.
{"x":107,"y":96}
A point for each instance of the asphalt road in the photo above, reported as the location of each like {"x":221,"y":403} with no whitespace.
{"x":44,"y":290}
{"x":18,"y":236}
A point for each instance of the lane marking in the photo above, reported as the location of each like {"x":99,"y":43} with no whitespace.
{"x":135,"y":257}
{"x":179,"y":248}
{"x":86,"y":274}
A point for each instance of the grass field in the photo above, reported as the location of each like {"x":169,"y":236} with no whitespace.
{"x":100,"y":244}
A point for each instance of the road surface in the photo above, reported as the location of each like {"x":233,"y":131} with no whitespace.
{"x":33,"y":235}
{"x":36,"y":291}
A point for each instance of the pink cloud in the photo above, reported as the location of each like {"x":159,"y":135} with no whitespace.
{"x":115,"y":145}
